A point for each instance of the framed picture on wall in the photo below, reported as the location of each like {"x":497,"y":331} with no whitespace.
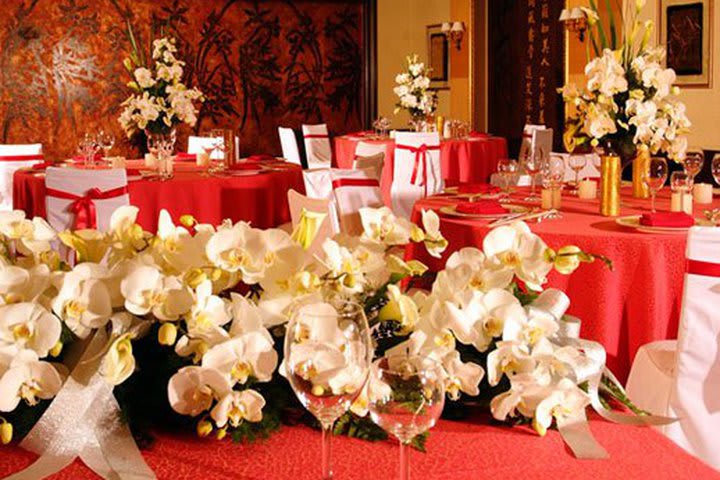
{"x":438,"y":57}
{"x":686,"y":32}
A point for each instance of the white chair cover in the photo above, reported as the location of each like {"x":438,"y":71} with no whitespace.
{"x":416,"y":170}
{"x":329,"y":226}
{"x":196,"y":144}
{"x":368,"y":149}
{"x":682,"y":379}
{"x":372,"y":163}
{"x":289,"y":145}
{"x":317,"y":146}
{"x":354,"y":189}
{"x":527,"y":139}
{"x":12,"y":158}
{"x":318,"y":183}
{"x":78,"y":183}
{"x":542,"y":140}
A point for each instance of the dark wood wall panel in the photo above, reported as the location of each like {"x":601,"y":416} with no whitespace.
{"x":261,"y":64}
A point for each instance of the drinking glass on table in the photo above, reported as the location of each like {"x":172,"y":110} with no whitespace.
{"x":328,"y":352}
{"x":716,"y":168}
{"x":507,"y":169}
{"x":655,"y":177}
{"x":576,"y":164}
{"x":106,"y":140}
{"x":406,"y":395}
{"x":553,"y":173}
{"x":680,"y":182}
{"x":693,"y":163}
{"x":88,"y":148}
{"x":208,"y":147}
{"x":532,"y":163}
{"x":218,"y":164}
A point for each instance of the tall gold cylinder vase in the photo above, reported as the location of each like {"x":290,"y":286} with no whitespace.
{"x":640,"y":166}
{"x":610,"y":185}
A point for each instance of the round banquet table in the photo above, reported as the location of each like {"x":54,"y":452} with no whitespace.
{"x":635,"y":303}
{"x":259,"y":197}
{"x":470,"y":160}
{"x":455,"y":451}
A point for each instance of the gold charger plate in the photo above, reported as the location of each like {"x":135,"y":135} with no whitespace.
{"x":451,"y":210}
{"x":633,"y":221}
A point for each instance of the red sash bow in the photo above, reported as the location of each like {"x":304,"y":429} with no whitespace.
{"x":83,"y":207}
{"x":706,"y":269}
{"x":20,"y":158}
{"x":421,"y":162}
{"x":355,"y":182}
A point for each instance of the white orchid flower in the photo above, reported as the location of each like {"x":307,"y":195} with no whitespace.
{"x":192,"y":390}
{"x":509,"y":358}
{"x":178,"y":249}
{"x":19,"y":284}
{"x":381,"y":225}
{"x":198,"y":343}
{"x":400,"y":308}
{"x":461,"y":376}
{"x":238,"y":249}
{"x":472,"y":267}
{"x":565,"y":402}
{"x":553,"y":362}
{"x":29,"y":326}
{"x":434,"y":241}
{"x":29,"y":379}
{"x":247,"y":317}
{"x":533,"y":327}
{"x":118,"y":364}
{"x":250,"y":355}
{"x":208,"y":310}
{"x":146,"y":290}
{"x":126,"y":236}
{"x":238,"y":406}
{"x":84,"y":301}
{"x":89,"y":245}
{"x":523,"y":398}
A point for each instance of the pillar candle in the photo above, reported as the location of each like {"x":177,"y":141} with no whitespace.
{"x":587,"y":189}
{"x":556,"y":198}
{"x":687,"y":203}
{"x":676,"y":202}
{"x":703,"y":193}
{"x":547,"y":198}
{"x":202,"y":159}
{"x":150,"y":160}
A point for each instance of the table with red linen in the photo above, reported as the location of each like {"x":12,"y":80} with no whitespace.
{"x":470,"y":160}
{"x":260,"y":197}
{"x":635,"y":303}
{"x":455,"y":451}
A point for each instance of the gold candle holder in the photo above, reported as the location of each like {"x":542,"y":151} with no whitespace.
{"x":640,"y":167}
{"x":610,"y":185}
{"x":440,"y":124}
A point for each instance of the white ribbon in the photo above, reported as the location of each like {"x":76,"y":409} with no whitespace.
{"x":84,"y":421}
{"x":576,"y":431}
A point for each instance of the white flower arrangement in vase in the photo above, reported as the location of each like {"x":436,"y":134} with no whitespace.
{"x":413,"y":90}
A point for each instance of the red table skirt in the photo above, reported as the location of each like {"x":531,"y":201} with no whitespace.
{"x":636,"y":303}
{"x":462,"y":161}
{"x":260,"y":199}
{"x":455,"y":451}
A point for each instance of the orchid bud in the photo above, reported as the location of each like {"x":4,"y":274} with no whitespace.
{"x":567,"y":259}
{"x":56,"y":350}
{"x":204,"y":428}
{"x":220,"y":434}
{"x":127,"y":63}
{"x":417,"y":235}
{"x":188,"y":221}
{"x":318,"y":390}
{"x":167,"y":335}
{"x":6,"y":433}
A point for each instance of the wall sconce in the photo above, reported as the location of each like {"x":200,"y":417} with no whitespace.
{"x":575,"y":20}
{"x":454,"y":31}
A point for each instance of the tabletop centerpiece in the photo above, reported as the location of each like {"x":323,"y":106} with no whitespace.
{"x":414,"y":93}
{"x":629,"y":106}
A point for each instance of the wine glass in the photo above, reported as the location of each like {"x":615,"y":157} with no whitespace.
{"x":655,"y":176}
{"x":106,"y":140}
{"x":507,"y":168}
{"x":553,"y":173}
{"x":576,"y":164}
{"x":88,"y":148}
{"x":716,"y":168}
{"x":406,"y":395}
{"x":680,"y":182}
{"x":208,"y":147}
{"x":218,"y":137}
{"x":327,"y":358}
{"x":532,"y":163}
{"x":693,"y":163}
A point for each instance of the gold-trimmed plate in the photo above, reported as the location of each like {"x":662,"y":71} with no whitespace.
{"x":633,"y":221}
{"x":451,"y":210}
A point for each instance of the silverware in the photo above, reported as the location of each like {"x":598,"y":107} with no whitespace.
{"x":539,"y":216}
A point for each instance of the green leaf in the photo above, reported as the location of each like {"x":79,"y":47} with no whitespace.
{"x":600,"y":28}
{"x":613,"y":31}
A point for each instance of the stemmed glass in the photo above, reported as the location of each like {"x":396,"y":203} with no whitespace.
{"x":532,"y":163}
{"x":655,"y":177}
{"x":406,"y":395}
{"x":218,"y":137}
{"x":106,"y":140}
{"x":328,"y":352}
{"x":716,"y":168}
{"x":553,"y":173}
{"x":693,"y":163}
{"x":577,"y":163}
{"x":208,"y":147}
{"x":507,"y":169}
{"x":89,"y":146}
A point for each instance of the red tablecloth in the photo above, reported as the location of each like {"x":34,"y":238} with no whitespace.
{"x":462,"y":161}
{"x":455,"y":451}
{"x":637,"y":303}
{"x":259,"y":198}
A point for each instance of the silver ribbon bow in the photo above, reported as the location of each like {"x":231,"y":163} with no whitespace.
{"x":84,"y":421}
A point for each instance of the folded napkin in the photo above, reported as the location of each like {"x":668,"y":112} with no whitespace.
{"x":477,"y":188}
{"x":667,"y":219}
{"x":185,"y":157}
{"x":133,"y":172}
{"x":81,"y":158}
{"x":246,"y":165}
{"x":483,"y":207}
{"x":263,"y":157}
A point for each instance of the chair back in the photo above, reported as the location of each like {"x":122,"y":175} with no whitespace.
{"x":318,"y":183}
{"x":317,"y":146}
{"x":77,"y":198}
{"x":12,"y":158}
{"x":369,"y":149}
{"x":372,"y":163}
{"x":353,"y":190}
{"x":416,"y":170}
{"x":289,"y":145}
{"x":526,"y":145}
{"x":695,"y":393}
{"x":329,"y":226}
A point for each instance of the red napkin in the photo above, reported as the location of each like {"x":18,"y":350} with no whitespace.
{"x":263,"y":157}
{"x":81,"y":158}
{"x":477,"y":188}
{"x":479,"y":135}
{"x":483,"y":207}
{"x":667,"y":219}
{"x":185,"y":157}
{"x":133,"y":172}
{"x":246,"y":165}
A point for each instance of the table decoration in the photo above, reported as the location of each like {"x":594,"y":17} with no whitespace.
{"x":702,"y":193}
{"x":190,"y":318}
{"x":609,"y":185}
{"x":414,"y":93}
{"x":629,"y":104}
{"x":587,"y":189}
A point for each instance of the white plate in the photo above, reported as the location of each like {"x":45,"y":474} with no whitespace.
{"x":450,"y":210}
{"x":454,"y":191}
{"x":633,"y":221}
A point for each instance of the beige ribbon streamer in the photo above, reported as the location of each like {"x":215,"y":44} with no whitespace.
{"x":576,"y":431}
{"x":84,"y":421}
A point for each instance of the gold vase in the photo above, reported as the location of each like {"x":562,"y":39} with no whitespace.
{"x":640,"y":166}
{"x":610,"y":185}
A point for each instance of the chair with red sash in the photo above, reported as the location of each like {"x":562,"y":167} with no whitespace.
{"x":416,"y":172}
{"x":13,"y":158}
{"x":78,"y":199}
{"x":681,"y":378}
{"x":370,"y":155}
{"x":317,"y":146}
{"x":289,"y":145}
{"x":353,"y":190}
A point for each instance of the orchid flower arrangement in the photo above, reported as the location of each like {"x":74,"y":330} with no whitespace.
{"x":629,"y":99}
{"x":413,"y":90}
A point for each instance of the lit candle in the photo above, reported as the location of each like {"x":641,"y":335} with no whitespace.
{"x":556,"y":198}
{"x":547,"y":198}
{"x":203,"y":159}
{"x":687,"y":203}
{"x":118,"y":162}
{"x":676,"y":202}
{"x":703,"y":193}
{"x":587,"y":189}
{"x":150,"y":160}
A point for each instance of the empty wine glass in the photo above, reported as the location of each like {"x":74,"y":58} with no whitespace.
{"x":576,"y":164}
{"x":693,"y":163}
{"x":716,"y":168}
{"x":106,"y":140}
{"x":507,"y":169}
{"x":532,"y":163}
{"x":655,"y":177}
{"x":680,"y":182}
{"x":218,"y":137}
{"x":406,"y":395}
{"x":88,"y":148}
{"x":327,"y":358}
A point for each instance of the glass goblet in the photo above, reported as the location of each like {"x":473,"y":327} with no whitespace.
{"x":655,"y":177}
{"x":716,"y":168}
{"x":218,"y":137}
{"x":532,"y":163}
{"x":328,"y":352}
{"x":406,"y":395}
{"x":507,"y":168}
{"x":693,"y":163}
{"x":106,"y":140}
{"x":577,"y":163}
